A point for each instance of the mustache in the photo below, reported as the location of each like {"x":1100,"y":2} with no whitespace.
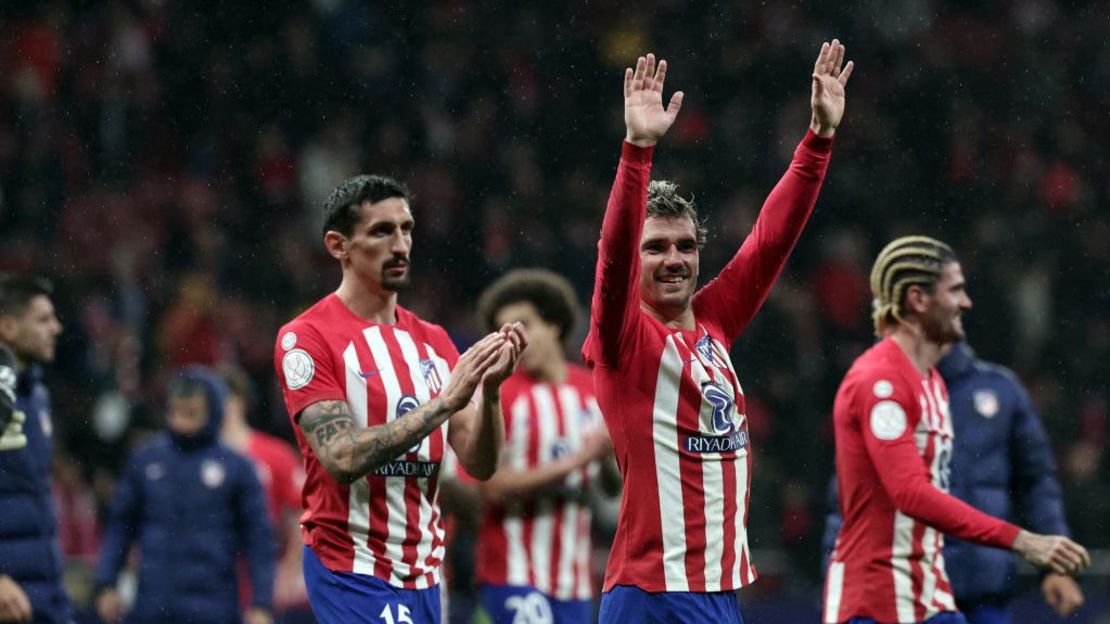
{"x":395,"y":263}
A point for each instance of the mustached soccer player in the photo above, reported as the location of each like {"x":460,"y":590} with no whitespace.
{"x":377,"y":394}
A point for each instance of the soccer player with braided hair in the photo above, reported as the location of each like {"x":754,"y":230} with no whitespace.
{"x":893,"y":445}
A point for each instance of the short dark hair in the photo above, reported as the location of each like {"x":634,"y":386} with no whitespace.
{"x":551,"y":294}
{"x":16,"y":292}
{"x":665,"y":202}
{"x":341,"y":208}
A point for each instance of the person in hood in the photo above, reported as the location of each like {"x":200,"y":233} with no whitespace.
{"x":193,"y":506}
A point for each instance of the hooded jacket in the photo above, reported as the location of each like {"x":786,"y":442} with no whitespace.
{"x":193,"y":506}
{"x":29,"y":550}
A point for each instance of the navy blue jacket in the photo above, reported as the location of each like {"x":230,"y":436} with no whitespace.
{"x":194,"y":506}
{"x":1002,"y":464}
{"x":29,"y":552}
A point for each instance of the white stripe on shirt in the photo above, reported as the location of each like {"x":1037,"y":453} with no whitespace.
{"x":358,"y":496}
{"x":543,"y":524}
{"x":424,"y":513}
{"x":517,"y":564}
{"x":397,"y":523}
{"x":668,"y":472}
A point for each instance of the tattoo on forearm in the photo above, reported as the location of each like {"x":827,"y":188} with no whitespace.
{"x":349,"y":453}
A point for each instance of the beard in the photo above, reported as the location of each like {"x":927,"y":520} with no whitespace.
{"x":944,"y":331}
{"x":396,"y":284}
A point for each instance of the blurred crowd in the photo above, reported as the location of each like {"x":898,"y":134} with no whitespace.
{"x":165,"y":165}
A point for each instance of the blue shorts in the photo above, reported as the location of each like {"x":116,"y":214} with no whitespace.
{"x":512,"y":604}
{"x":345,"y":597}
{"x":633,"y":605}
{"x":948,"y":617}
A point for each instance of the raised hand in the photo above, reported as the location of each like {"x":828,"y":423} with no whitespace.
{"x":827,"y":99}
{"x":644,"y":116}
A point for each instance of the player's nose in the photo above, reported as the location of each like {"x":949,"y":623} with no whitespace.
{"x":400,"y":244}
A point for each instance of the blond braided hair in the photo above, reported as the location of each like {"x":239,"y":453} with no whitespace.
{"x":906,"y":261}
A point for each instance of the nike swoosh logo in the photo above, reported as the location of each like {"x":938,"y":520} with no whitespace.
{"x":367,"y":374}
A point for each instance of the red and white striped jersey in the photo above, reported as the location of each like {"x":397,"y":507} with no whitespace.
{"x":388,"y":523}
{"x":670,"y":397}
{"x":543,"y":542}
{"x":893,"y":446}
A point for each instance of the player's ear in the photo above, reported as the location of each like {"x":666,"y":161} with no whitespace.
{"x":336,"y":244}
{"x":7,"y":327}
{"x":916,"y":299}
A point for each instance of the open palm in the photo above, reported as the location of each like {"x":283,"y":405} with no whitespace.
{"x":644,"y":115}
{"x":829,"y":80}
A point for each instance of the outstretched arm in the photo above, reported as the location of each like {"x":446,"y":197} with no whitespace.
{"x":734,"y":297}
{"x":349,"y":453}
{"x":615,"y":300}
{"x":904,"y":479}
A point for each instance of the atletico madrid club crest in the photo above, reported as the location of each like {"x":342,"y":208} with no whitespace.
{"x":431,"y":376}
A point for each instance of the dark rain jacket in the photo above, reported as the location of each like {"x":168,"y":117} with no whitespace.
{"x":194,"y":507}
{"x":29,"y":550}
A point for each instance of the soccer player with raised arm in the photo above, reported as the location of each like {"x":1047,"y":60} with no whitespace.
{"x":376,"y":394}
{"x":893,"y":446}
{"x":661,"y":369}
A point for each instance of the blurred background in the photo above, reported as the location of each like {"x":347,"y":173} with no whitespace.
{"x":166,"y":167}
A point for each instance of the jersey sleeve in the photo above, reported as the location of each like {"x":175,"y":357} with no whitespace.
{"x":890,"y":418}
{"x":736,"y":294}
{"x":306,"y":369}
{"x":614,"y":307}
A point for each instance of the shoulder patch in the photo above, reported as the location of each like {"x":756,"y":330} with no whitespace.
{"x":883,"y":389}
{"x":298,"y":367}
{"x":888,"y":420}
{"x":288,"y":340}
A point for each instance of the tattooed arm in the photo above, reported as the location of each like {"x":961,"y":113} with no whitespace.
{"x":349,"y":452}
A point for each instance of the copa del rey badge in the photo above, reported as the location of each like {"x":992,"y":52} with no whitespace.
{"x":986,"y":403}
